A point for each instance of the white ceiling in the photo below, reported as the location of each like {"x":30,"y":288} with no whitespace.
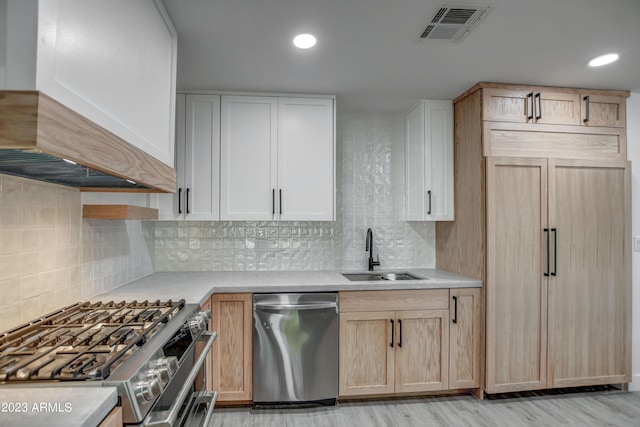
{"x":369,"y":54}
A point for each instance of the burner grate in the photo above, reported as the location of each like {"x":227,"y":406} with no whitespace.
{"x":83,"y":341}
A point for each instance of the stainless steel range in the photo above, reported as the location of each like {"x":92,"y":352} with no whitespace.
{"x":153,"y":352}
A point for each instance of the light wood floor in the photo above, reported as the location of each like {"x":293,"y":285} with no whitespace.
{"x":611,"y":408}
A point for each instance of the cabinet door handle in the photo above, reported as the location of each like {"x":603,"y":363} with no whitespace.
{"x":455,"y":309}
{"x":555,"y":252}
{"x":400,"y":340}
{"x":539,"y":115}
{"x":273,"y":201}
{"x":529,"y":106}
{"x":179,"y":200}
{"x":393,"y":333}
{"x":429,"y":194}
{"x":586,"y":100}
{"x":187,"y":200}
{"x":546,"y":273}
{"x":280,"y":200}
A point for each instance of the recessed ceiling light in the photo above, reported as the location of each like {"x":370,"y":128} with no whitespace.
{"x":305,"y":41}
{"x":603,"y":60}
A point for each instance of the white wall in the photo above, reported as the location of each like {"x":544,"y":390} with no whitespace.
{"x":633,"y":154}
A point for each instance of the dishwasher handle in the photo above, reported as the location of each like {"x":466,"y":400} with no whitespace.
{"x":290,"y":307}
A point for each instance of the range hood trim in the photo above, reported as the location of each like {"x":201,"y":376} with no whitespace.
{"x":31,"y":120}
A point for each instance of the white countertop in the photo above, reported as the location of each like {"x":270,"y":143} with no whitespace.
{"x":196,"y":287}
{"x":53,"y":406}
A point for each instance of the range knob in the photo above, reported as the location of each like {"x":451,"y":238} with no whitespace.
{"x":166,"y":367}
{"x":147,"y":390}
{"x":199,"y":322}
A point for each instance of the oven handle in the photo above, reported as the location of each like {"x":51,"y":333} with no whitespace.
{"x":211,"y":398}
{"x":184,"y":392}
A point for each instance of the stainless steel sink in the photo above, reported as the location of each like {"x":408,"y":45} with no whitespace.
{"x":373,"y":276}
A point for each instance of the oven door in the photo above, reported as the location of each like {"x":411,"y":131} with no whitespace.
{"x":186,"y":402}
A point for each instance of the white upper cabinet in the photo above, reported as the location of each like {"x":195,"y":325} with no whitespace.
{"x":113,"y":62}
{"x":248,"y":158}
{"x":197,"y":161}
{"x":277,"y":158}
{"x":305,"y":159}
{"x":429,"y":162}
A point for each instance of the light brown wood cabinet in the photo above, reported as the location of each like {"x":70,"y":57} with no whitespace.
{"x":550,"y":238}
{"x":409,"y":350}
{"x":231,"y":364}
{"x":465,"y":335}
{"x":603,"y":110}
{"x":531,"y":105}
{"x":552,"y":106}
{"x":113,"y":419}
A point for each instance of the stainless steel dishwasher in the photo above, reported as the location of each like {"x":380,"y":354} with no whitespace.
{"x":295,"y":348}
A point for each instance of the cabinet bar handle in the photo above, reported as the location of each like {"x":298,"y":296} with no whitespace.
{"x":429,"y":194}
{"x":179,"y":200}
{"x":455,"y":309}
{"x":393,"y":333}
{"x":529,"y":106}
{"x":273,"y":201}
{"x":280,"y":200}
{"x":400,"y":340}
{"x":546,"y":273}
{"x":555,"y":252}
{"x":539,"y":115}
{"x":586,"y":99}
{"x":187,"y":200}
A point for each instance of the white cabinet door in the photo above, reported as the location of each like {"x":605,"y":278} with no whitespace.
{"x":169,"y":205}
{"x":416,"y":176}
{"x":202,"y":158}
{"x":197,"y":161}
{"x":429,"y":162}
{"x":248,"y":158}
{"x":306,"y":166}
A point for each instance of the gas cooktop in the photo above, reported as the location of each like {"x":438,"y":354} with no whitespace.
{"x":83,"y":341}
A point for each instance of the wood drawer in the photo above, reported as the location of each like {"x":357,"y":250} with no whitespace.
{"x":415,"y":299}
{"x":553,"y":141}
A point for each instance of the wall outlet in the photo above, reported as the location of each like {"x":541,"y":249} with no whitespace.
{"x":636,"y":243}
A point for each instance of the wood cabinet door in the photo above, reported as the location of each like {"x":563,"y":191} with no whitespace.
{"x":232,"y":350}
{"x":422,"y":350}
{"x":601,"y":110}
{"x":507,"y":105}
{"x":366,"y":353}
{"x":556,"y":108}
{"x":516,"y":288}
{"x":465,"y":333}
{"x":306,"y":159}
{"x":590,"y":286}
{"x":248,"y":158}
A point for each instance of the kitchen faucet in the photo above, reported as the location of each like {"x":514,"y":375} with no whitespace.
{"x":369,"y":247}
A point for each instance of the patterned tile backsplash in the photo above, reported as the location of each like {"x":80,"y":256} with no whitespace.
{"x":370,"y":193}
{"x":50,"y":257}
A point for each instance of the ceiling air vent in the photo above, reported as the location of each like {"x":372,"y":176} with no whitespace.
{"x":454,"y":22}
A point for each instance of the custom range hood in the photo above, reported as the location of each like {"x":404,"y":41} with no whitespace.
{"x":44,"y":140}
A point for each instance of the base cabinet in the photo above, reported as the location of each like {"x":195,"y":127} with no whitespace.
{"x":114,"y":419}
{"x":465,"y":337}
{"x":421,"y":349}
{"x":231,"y":374}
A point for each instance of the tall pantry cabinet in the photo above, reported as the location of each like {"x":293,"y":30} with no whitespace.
{"x":543,"y":217}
